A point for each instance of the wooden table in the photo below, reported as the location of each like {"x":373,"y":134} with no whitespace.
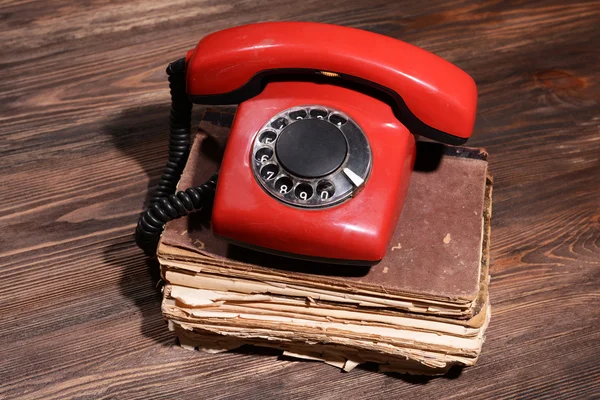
{"x":84,"y":110}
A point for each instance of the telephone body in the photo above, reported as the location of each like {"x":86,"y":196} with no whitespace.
{"x":319,"y":158}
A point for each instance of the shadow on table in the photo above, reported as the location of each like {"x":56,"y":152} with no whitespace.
{"x":137,"y":133}
{"x":453,"y":373}
{"x":140,"y":284}
{"x":141,"y":135}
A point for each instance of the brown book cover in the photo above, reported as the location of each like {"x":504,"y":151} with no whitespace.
{"x":435,"y":258}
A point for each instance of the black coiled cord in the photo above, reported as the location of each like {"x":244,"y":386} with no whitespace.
{"x":179,"y":131}
{"x":165,"y":209}
{"x":165,"y":204}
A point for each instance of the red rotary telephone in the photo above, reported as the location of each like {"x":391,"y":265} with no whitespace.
{"x":321,"y":150}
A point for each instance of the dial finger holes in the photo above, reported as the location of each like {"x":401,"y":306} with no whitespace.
{"x":284,"y":185}
{"x":279,"y":123}
{"x":337,"y":119}
{"x":298,"y":114}
{"x":303,"y":191}
{"x":325,"y":190}
{"x":267,"y":137}
{"x":269,"y":171}
{"x":318,"y":113}
{"x":263,"y":155}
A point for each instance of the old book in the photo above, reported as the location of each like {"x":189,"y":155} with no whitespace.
{"x":423,"y":308}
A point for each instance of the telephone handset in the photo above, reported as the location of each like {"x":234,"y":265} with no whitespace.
{"x":321,"y":149}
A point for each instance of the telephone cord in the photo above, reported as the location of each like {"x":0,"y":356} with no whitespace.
{"x":165,"y":204}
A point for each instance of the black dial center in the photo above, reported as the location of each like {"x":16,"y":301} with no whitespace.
{"x":311,"y":148}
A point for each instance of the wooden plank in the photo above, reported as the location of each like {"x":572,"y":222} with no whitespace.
{"x":83,"y":114}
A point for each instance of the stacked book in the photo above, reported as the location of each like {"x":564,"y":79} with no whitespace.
{"x":423,"y":309}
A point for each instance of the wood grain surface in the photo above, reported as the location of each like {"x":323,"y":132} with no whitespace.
{"x":84,"y":105}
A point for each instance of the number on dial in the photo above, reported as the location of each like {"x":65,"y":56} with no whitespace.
{"x":304,"y":191}
{"x":325,"y":190}
{"x":263,"y":155}
{"x":283,"y":185}
{"x":269,"y":171}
